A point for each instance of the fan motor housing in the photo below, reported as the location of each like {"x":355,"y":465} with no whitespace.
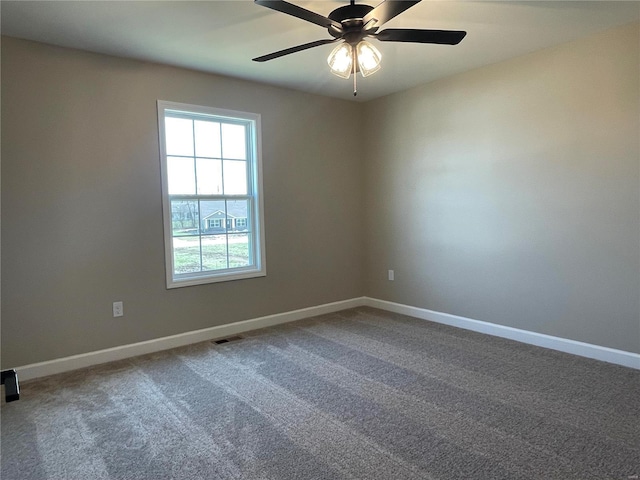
{"x":350,"y":16}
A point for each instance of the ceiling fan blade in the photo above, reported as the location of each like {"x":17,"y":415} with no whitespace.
{"x":299,"y":48}
{"x":387,"y":10}
{"x":443,"y":37}
{"x":299,"y":12}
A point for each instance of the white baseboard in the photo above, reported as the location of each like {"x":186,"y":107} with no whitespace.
{"x":60,"y":365}
{"x":605,"y":354}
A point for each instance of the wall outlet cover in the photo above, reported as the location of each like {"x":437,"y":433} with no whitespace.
{"x":118,"y":309}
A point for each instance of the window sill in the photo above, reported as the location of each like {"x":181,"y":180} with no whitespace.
{"x":189,"y":281}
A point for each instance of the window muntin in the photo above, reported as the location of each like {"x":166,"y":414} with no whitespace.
{"x":212,"y":198}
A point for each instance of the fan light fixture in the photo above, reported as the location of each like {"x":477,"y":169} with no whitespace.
{"x":368,"y":58}
{"x":341,"y":59}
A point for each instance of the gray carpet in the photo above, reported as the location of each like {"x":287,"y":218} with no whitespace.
{"x":360,"y":394}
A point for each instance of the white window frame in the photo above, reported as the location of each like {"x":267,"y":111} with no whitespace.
{"x":254,"y":196}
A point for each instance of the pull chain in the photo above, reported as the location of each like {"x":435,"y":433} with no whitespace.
{"x":355,"y":73}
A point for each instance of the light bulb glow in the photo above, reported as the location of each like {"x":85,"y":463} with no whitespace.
{"x":341,"y":60}
{"x":368,"y":58}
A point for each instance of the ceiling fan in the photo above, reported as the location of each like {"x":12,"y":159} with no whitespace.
{"x":352,"y":24}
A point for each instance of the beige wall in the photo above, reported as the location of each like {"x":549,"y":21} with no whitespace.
{"x":81,"y":203}
{"x":510,"y":194}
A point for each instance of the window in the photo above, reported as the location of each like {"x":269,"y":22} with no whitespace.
{"x":211,"y":174}
{"x":241,"y":222}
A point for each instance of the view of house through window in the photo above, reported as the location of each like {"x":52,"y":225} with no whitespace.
{"x":211,"y":198}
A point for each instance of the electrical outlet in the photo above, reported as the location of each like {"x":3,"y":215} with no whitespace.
{"x":391,"y":275}
{"x":118,"y":309}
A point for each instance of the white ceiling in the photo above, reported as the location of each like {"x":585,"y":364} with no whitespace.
{"x":223,"y":36}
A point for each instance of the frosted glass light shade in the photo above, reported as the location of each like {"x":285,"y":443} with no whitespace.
{"x":341,"y":60}
{"x":368,"y":58}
